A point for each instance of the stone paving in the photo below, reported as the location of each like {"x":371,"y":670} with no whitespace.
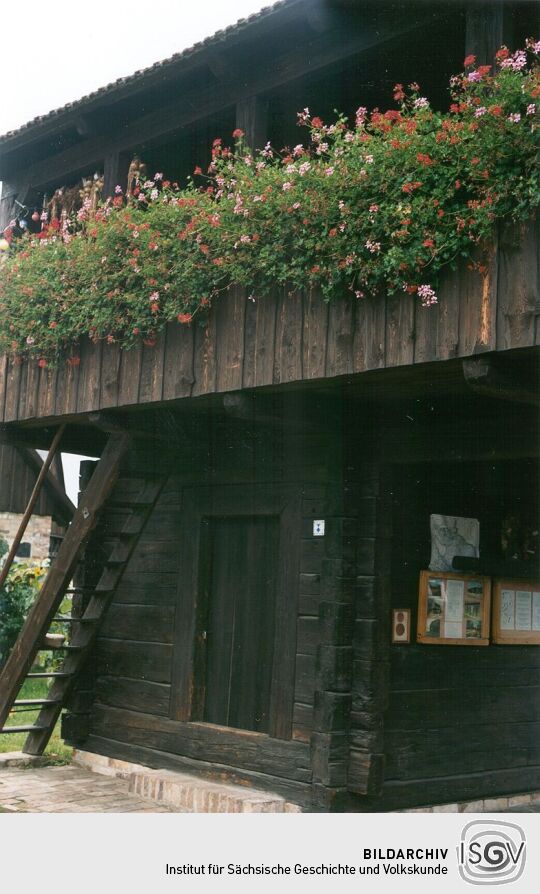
{"x":69,"y":790}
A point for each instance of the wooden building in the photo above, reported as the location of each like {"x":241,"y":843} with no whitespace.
{"x":19,"y":468}
{"x":271,"y":506}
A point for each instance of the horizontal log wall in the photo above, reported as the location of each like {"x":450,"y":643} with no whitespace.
{"x":292,"y":337}
{"x":132,"y":663}
{"x":462,"y":722}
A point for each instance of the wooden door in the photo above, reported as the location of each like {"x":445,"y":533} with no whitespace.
{"x":235,"y":629}
{"x":242,"y":556}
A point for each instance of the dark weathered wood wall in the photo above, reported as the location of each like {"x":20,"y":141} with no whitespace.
{"x":420,"y":719}
{"x":290,"y":338}
{"x":462,"y":722}
{"x":132,"y":668}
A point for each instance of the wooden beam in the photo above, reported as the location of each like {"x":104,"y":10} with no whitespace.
{"x":115,"y":169}
{"x":488,"y":26}
{"x":66,"y":508}
{"x":316,"y":54}
{"x":252,"y":118}
{"x":483,"y":376}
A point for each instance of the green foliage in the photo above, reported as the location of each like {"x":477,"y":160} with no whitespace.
{"x":16,"y":598}
{"x":382,"y":204}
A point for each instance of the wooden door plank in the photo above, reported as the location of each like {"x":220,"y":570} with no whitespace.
{"x":283,"y":676}
{"x":178,"y":367}
{"x":60,"y":573}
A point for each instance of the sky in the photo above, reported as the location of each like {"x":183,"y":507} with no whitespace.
{"x":56,"y":52}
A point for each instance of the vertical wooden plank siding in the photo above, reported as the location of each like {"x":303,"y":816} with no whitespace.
{"x":437,"y":327}
{"x":13,"y":379}
{"x":178,"y":377}
{"x":130,"y":374}
{"x":153,"y":360}
{"x":400,"y":322}
{"x":518,"y":288}
{"x":314,"y":339}
{"x":478,"y":310}
{"x":252,"y":341}
{"x":260,"y":340}
{"x":88,"y":394}
{"x":230,"y":321}
{"x":288,"y":346}
{"x":29,"y":409}
{"x":110,"y":375}
{"x":339,"y":354}
{"x":369,"y":343}
{"x":204,"y":357}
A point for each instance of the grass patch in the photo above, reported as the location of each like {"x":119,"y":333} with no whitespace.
{"x":57,"y":752}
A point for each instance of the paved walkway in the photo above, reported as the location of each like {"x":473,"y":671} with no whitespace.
{"x":68,"y":790}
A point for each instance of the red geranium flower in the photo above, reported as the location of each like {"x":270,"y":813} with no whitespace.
{"x":469,"y":60}
{"x":184,"y":318}
{"x":238,"y":133}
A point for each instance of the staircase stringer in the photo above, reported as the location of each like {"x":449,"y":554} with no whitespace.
{"x":89,"y":623}
{"x":30,"y":639}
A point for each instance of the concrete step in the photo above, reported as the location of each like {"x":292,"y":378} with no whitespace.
{"x":185,"y":792}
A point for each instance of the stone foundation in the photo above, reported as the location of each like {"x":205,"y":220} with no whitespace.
{"x":183,"y":791}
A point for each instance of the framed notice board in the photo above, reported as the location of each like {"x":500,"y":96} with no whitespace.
{"x":516,"y":612}
{"x":453,"y":609}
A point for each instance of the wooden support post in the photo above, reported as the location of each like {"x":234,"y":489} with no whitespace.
{"x":252,"y":118}
{"x":56,"y":491}
{"x":34,"y":496}
{"x":488,"y":27}
{"x":484,"y":377}
{"x":116,"y":167}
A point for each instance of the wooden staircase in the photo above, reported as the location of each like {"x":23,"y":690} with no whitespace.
{"x":33,"y":637}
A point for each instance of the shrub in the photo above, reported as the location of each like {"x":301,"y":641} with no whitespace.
{"x":16,"y":598}
{"x":383,"y":203}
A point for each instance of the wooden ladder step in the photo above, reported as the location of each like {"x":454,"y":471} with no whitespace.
{"x":22,"y":729}
{"x":130,"y":503}
{"x":36,"y":701}
{"x":82,"y":620}
{"x":43,"y":674}
{"x":65,"y":648}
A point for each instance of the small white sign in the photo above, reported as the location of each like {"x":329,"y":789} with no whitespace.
{"x":318,"y":527}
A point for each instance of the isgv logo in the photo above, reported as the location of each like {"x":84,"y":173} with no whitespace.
{"x":491,"y":852}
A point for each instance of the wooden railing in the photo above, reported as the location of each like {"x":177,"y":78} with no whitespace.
{"x":293,"y":337}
